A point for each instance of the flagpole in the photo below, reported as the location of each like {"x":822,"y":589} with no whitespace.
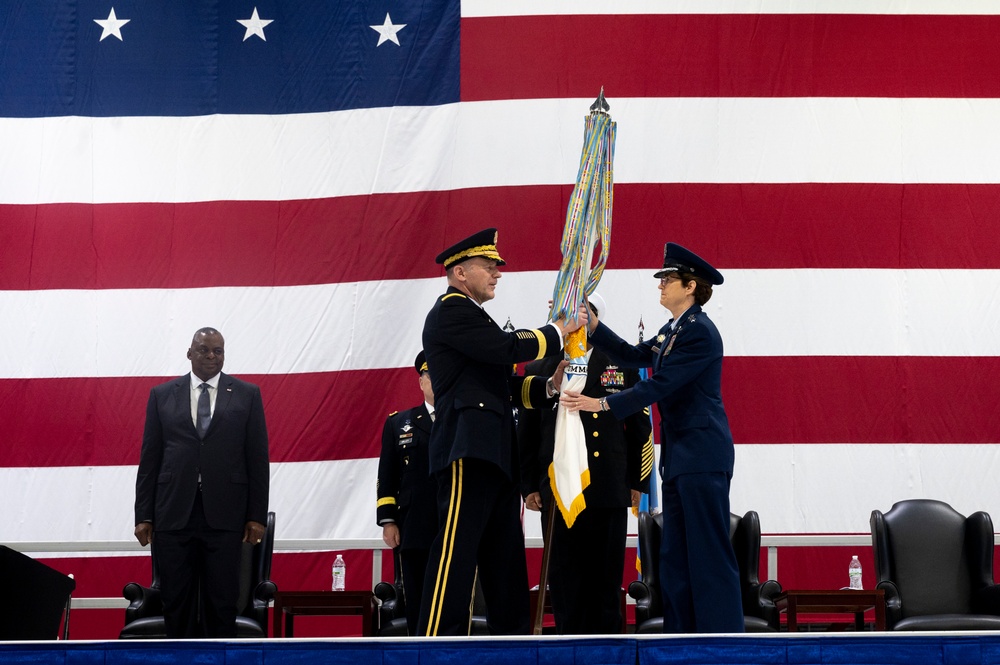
{"x":588,"y":225}
{"x":543,"y":580}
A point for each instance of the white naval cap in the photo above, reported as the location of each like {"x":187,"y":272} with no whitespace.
{"x":597,"y":302}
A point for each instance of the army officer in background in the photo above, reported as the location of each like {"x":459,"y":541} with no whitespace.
{"x":407,"y":498}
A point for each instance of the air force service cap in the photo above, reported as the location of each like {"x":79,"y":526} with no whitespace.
{"x":482,"y":244}
{"x":680,"y":259}
{"x":420,"y":363}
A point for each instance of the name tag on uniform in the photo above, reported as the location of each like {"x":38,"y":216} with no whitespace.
{"x":659,"y":340}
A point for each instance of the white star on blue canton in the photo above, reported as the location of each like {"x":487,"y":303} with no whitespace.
{"x":111,"y":26}
{"x":255,"y":25}
{"x":387,"y":31}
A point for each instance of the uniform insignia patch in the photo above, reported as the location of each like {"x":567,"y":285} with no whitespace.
{"x":670,"y":344}
{"x":613,"y":379}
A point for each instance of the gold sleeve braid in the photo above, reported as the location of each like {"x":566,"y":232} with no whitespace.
{"x":526,"y":392}
{"x":536,"y":335}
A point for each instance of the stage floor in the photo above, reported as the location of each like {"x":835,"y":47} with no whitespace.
{"x":865,"y":648}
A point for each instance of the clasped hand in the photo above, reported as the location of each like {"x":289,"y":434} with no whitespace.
{"x":582,"y":317}
{"x":573,"y":401}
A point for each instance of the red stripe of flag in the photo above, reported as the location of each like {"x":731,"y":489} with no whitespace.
{"x":396,"y":236}
{"x":99,"y":421}
{"x":857,"y":399}
{"x":862,"y":399}
{"x":741,"y":55}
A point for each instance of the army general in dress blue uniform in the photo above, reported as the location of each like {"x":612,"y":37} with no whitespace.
{"x":473,"y":447}
{"x":700,"y":576}
{"x":407,"y":496}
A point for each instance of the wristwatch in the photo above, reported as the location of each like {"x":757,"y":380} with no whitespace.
{"x":604,"y":403}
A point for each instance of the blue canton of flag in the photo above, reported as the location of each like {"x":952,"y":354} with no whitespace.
{"x":130,"y":58}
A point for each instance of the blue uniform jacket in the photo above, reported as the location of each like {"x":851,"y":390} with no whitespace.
{"x":686,"y":387}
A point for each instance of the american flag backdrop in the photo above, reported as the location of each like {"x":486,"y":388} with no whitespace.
{"x":287,"y":171}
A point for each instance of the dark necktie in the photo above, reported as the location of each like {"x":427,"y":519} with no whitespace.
{"x":204,"y":411}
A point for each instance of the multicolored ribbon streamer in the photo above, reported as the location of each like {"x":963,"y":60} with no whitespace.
{"x":588,"y":227}
{"x":588,"y":218}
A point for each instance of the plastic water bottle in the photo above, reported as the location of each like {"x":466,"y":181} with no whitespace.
{"x":340,"y":573}
{"x":854,"y":572}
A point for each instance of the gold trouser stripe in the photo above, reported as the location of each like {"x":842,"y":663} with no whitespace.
{"x":447,"y":550}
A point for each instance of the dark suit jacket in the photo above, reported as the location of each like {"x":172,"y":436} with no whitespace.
{"x":232,"y":459}
{"x":614,"y":448}
{"x":687,"y":387}
{"x":471,"y":361}
{"x":407,"y":494}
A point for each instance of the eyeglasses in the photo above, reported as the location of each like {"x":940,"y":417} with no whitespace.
{"x":666,"y":280}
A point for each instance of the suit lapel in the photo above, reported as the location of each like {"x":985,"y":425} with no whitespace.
{"x":668,"y":343}
{"x":663,"y":346}
{"x":182,"y":393}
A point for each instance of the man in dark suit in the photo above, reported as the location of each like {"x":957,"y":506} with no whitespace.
{"x":202,"y":488}
{"x":473,"y":450}
{"x":586,"y":561}
{"x":701,"y":588}
{"x":407,"y":495}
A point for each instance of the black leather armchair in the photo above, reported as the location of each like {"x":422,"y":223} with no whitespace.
{"x":391,"y":614}
{"x":144,"y":615}
{"x":760,"y":613}
{"x":936,"y":567}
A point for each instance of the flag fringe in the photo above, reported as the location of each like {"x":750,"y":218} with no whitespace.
{"x":569,"y":513}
